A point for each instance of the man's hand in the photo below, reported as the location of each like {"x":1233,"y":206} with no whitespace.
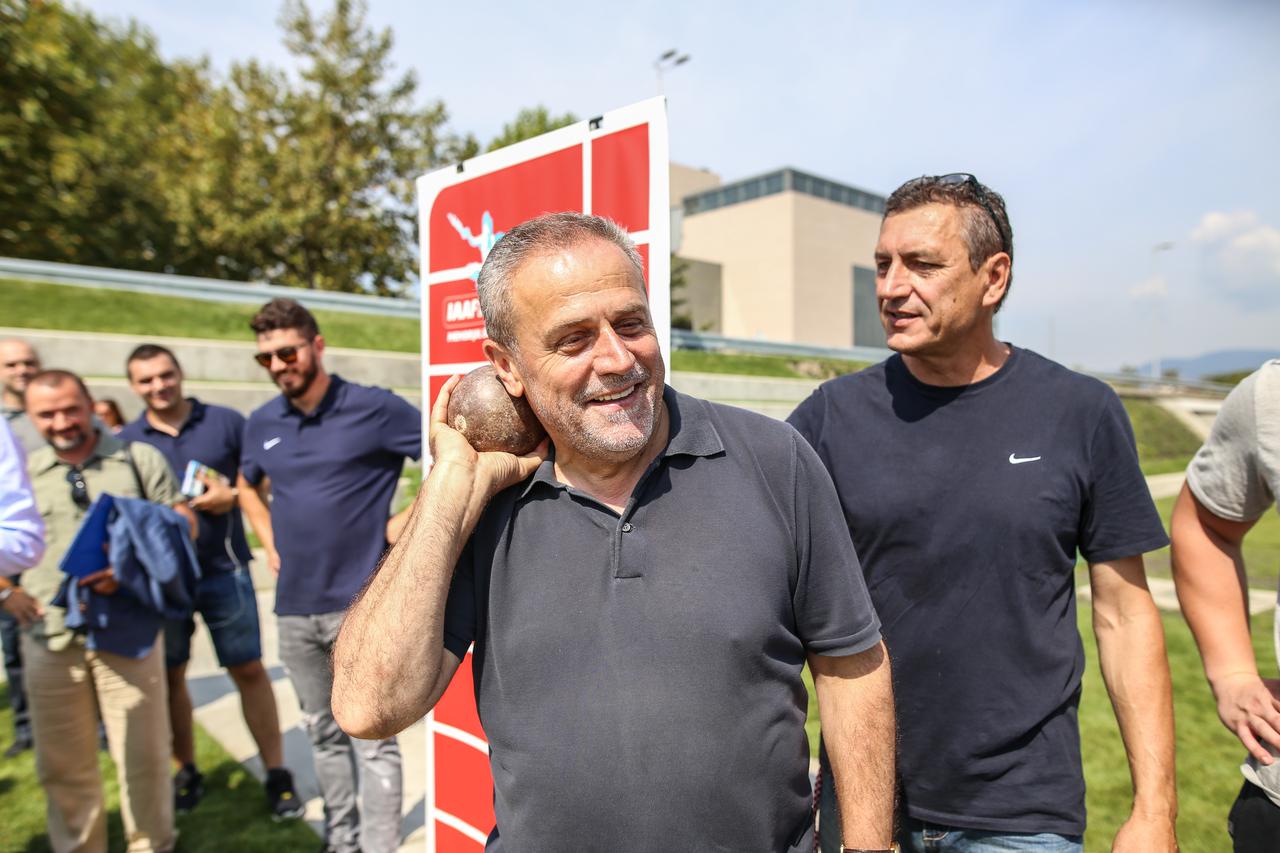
{"x":1144,"y":833}
{"x":219,"y":497}
{"x":23,"y":607}
{"x":102,"y":582}
{"x":273,"y":559}
{"x":493,"y":472}
{"x":1249,"y":706}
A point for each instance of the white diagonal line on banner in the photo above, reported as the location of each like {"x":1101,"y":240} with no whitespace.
{"x":460,"y":736}
{"x":462,"y":826}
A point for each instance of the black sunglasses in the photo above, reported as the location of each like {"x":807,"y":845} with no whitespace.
{"x":286,"y":354}
{"x":980,"y":193}
{"x":79,"y":491}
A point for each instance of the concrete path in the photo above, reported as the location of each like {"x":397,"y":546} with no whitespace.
{"x":1166,"y":485}
{"x":217,"y":709}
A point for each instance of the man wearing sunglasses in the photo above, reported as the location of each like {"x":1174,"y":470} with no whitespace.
{"x":328,"y":453}
{"x":70,"y":675}
{"x":972,"y":472}
{"x":188,"y":430}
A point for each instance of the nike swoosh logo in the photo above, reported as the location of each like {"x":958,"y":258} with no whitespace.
{"x":272,"y":442}
{"x":1013,"y":459}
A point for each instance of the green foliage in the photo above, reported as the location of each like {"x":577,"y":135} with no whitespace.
{"x":744,"y":364}
{"x":232,"y":815}
{"x":680,"y":316}
{"x":39,"y":305}
{"x":110,"y":156}
{"x":1231,"y":378}
{"x":528,"y":124}
{"x":84,"y":108}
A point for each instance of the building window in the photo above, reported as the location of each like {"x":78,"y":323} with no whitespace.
{"x":867,"y":331}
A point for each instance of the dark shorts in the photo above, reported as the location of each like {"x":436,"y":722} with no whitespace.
{"x":229,"y":609}
{"x":1254,"y":822}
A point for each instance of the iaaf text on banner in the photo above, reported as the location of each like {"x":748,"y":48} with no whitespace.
{"x":613,"y":166}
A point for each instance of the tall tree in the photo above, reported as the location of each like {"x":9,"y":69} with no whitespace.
{"x":311,"y":183}
{"x":530,"y":122}
{"x":82,"y":104}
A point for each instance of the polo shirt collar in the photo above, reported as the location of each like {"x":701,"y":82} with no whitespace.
{"x":327,"y":402}
{"x":193,"y":416}
{"x":691,"y":433}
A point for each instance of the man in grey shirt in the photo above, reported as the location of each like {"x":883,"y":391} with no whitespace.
{"x":18,"y":363}
{"x":1231,"y":482}
{"x":642,"y":593}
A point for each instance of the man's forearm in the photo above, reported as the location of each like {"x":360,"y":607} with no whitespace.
{"x":253,"y":504}
{"x":1135,"y":669}
{"x":1208,"y":572}
{"x":855,"y":699}
{"x":387,"y":660}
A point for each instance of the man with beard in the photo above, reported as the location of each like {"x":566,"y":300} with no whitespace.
{"x":329,"y":452}
{"x":187,"y":430}
{"x":118,"y":668}
{"x":18,"y":363}
{"x":643,"y":592}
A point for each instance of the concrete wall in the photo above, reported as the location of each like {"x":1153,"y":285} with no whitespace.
{"x":830,"y":239}
{"x":686,"y":180}
{"x":754,"y":244}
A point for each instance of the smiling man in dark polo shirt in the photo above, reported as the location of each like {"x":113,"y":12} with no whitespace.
{"x":185,"y":430}
{"x":330,"y":453}
{"x":643,"y":593}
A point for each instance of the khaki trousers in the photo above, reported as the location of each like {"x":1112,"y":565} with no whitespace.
{"x":66,"y":689}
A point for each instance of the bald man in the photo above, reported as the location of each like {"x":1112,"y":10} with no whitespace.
{"x":18,"y":363}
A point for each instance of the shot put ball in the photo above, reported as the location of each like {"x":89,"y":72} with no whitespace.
{"x":491,"y":419}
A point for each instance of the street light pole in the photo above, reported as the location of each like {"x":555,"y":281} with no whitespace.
{"x":1157,"y":313}
{"x":668,"y":60}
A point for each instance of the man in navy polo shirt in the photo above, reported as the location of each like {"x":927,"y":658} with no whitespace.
{"x":971,"y":473}
{"x":643,"y":594}
{"x":186,"y":430}
{"x":330,"y":453}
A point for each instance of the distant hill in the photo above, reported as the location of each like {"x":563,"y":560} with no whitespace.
{"x":1220,"y":361}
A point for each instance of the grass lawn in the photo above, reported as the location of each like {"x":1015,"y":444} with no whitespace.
{"x":1164,"y":444}
{"x":1208,"y":755}
{"x":232,"y":815}
{"x":780,"y":366}
{"x":1261,"y":550}
{"x":39,"y":305}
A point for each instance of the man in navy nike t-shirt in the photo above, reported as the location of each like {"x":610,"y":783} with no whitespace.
{"x":971,"y":473}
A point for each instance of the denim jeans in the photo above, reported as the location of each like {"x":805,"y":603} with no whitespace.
{"x":226,"y":603}
{"x":9,"y":639}
{"x":919,"y":837}
{"x":306,"y":648}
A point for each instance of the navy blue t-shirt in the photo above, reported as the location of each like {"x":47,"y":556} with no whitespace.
{"x":333,"y":473}
{"x":967,"y":507}
{"x":211,"y":435}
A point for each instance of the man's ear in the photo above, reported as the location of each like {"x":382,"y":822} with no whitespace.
{"x":504,"y":364}
{"x":317,"y":343}
{"x":997,"y":279}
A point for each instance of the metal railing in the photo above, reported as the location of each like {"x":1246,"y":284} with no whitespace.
{"x":210,"y":289}
{"x":217,"y":290}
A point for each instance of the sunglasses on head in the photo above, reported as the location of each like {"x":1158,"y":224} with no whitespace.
{"x":79,"y":491}
{"x":980,"y":193}
{"x":286,"y":354}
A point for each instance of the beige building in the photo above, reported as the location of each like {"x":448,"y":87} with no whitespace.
{"x":786,"y":256}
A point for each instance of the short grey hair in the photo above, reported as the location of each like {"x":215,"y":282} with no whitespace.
{"x":546,"y":233}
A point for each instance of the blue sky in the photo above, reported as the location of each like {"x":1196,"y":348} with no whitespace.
{"x":1110,"y":128}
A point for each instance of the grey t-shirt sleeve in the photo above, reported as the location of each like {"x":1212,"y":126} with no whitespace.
{"x":157,"y":477}
{"x":1226,"y":474}
{"x":833,"y":612}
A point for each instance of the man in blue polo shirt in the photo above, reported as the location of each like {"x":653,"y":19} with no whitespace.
{"x":330,"y":453}
{"x":186,"y":430}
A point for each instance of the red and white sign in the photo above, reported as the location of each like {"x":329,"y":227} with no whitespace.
{"x":613,"y":166}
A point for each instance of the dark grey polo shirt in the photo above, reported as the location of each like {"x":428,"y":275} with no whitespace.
{"x":638,"y":677}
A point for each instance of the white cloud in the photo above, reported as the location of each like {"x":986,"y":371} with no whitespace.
{"x":1241,"y":256}
{"x":1156,"y":286}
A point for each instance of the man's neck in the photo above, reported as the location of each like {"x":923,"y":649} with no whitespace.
{"x":308,"y":400}
{"x":12,"y":399}
{"x":81,"y":454}
{"x":608,"y":481}
{"x":170,"y":421}
{"x":963,"y":366}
